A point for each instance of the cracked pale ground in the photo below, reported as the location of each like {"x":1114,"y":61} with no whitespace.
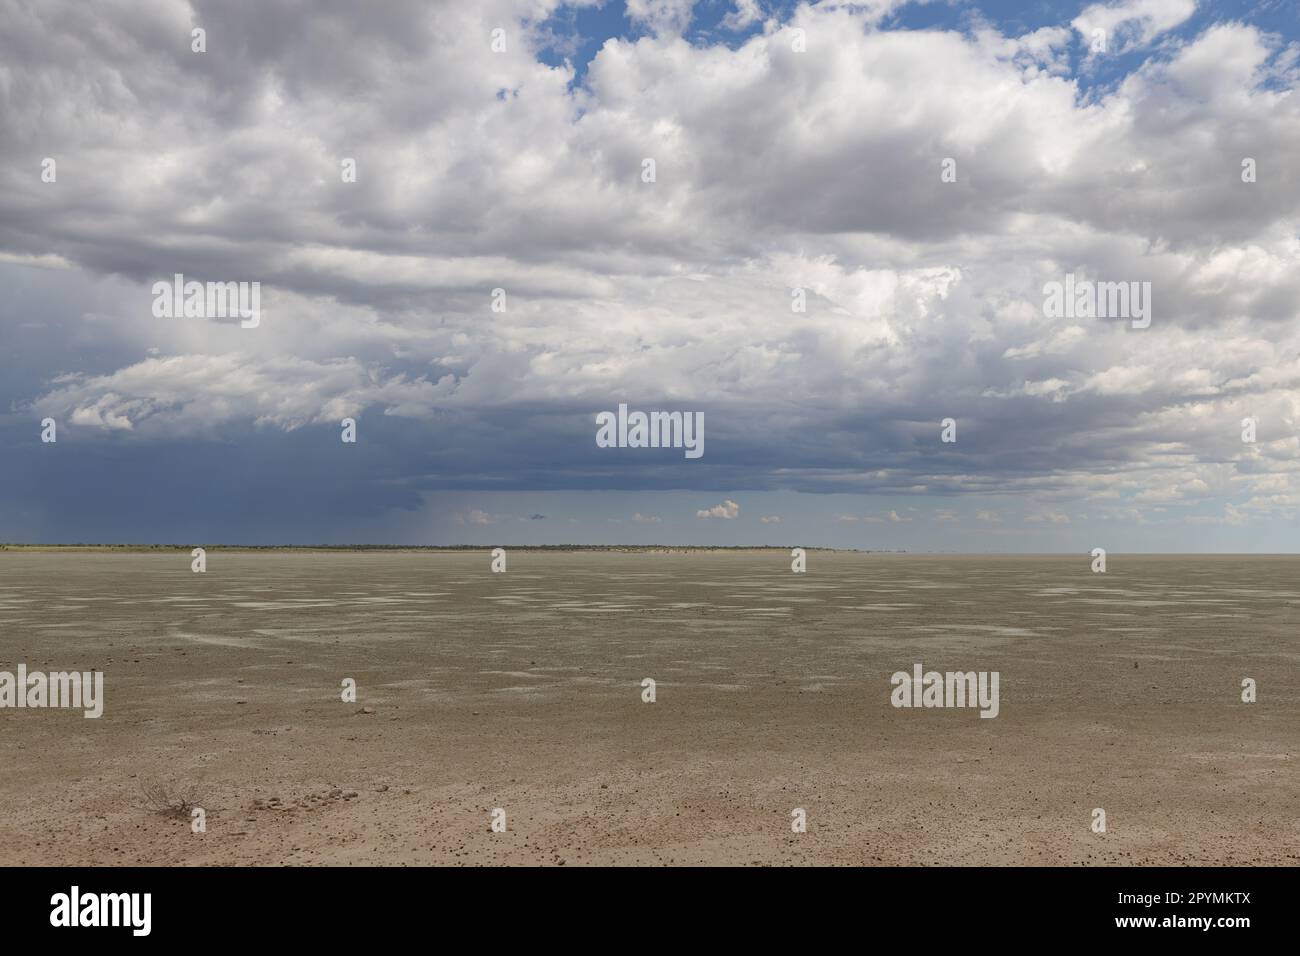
{"x":522,"y":691}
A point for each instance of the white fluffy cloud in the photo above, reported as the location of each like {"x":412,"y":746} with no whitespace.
{"x":661,"y":16}
{"x":189,"y":394}
{"x":728,"y":509}
{"x":776,"y":171}
{"x":1132,"y":23}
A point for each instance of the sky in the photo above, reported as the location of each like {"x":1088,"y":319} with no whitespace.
{"x":915,"y":175}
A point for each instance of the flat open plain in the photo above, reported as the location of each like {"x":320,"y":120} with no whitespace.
{"x":522,"y":691}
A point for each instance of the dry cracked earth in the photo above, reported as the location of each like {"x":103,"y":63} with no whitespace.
{"x":523,"y":691}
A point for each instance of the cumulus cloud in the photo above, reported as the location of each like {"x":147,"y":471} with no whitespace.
{"x":776,"y":171}
{"x":742,"y":15}
{"x":1131,"y":24}
{"x":186,"y":394}
{"x":728,"y":509}
{"x":661,"y":16}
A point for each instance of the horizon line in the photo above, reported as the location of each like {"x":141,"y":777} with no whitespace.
{"x":133,"y":546}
